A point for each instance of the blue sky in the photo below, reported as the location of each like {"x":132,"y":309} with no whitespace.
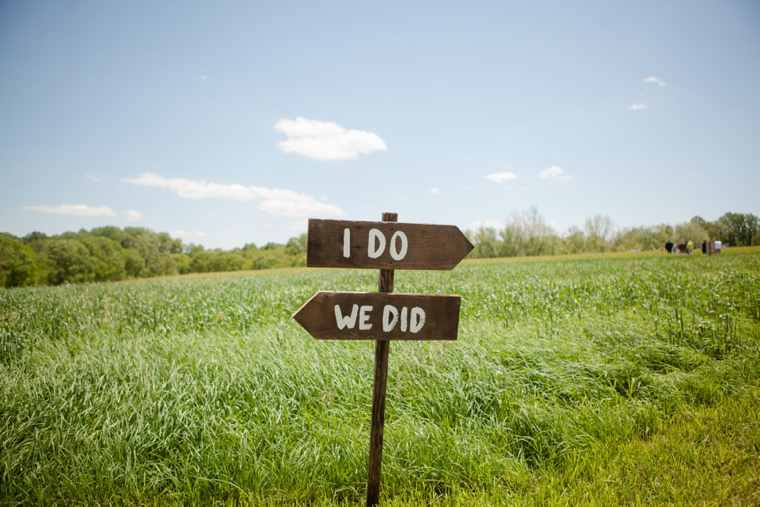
{"x":232,"y":122}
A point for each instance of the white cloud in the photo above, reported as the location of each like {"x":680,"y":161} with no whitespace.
{"x":91,"y":177}
{"x":636,"y":107}
{"x":273,"y":200}
{"x":77,"y":210}
{"x":435,"y":190}
{"x":131,"y":215}
{"x":493,"y":224}
{"x":324,"y":140}
{"x":501,"y":177}
{"x":82,"y":210}
{"x":190,"y":189}
{"x":554,"y":173}
{"x":652,"y":79}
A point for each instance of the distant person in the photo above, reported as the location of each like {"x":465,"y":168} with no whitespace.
{"x":669,"y":246}
{"x":718,"y":246}
{"x":689,"y":247}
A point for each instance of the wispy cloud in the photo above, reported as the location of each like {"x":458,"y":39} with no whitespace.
{"x":636,"y":107}
{"x":82,"y":210}
{"x":501,"y":177}
{"x":492,"y":224}
{"x":91,"y":177}
{"x":131,"y":215}
{"x":77,"y":210}
{"x":652,"y":79}
{"x":435,"y":191}
{"x":554,"y":173}
{"x":323,"y":140}
{"x":273,"y":200}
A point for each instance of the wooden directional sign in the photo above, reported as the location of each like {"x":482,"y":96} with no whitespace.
{"x":380,"y":316}
{"x":384,"y":245}
{"x":384,"y":315}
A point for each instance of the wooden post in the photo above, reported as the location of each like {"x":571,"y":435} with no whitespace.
{"x":378,"y":395}
{"x":330,"y":315}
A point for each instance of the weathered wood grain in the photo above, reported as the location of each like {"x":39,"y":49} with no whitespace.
{"x":379,"y":386}
{"x":428,"y":246}
{"x":319,"y":318}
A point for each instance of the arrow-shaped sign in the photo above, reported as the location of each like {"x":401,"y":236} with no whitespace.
{"x":384,"y":245}
{"x":380,"y":316}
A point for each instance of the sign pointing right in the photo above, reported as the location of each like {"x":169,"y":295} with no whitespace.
{"x":384,"y":245}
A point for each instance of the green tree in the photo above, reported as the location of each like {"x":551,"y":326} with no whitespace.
{"x":34,"y":236}
{"x":134,"y":264}
{"x":575,"y":241}
{"x":485,"y":242}
{"x":269,"y":259}
{"x":536,"y":237}
{"x":645,"y":238}
{"x":227,"y":261}
{"x":182,"y":262}
{"x":737,"y":229}
{"x":157,"y":263}
{"x":698,"y":219}
{"x":18,"y":263}
{"x":108,"y":258}
{"x":693,"y":231}
{"x":36,"y":241}
{"x":168,"y":245}
{"x":599,"y":231}
{"x":67,"y":260}
{"x":200,"y":260}
{"x":296,"y":246}
{"x":509,"y":243}
{"x":272,"y":246}
{"x":110,"y":231}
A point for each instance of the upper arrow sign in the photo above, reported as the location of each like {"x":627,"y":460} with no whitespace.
{"x":380,"y":316}
{"x":384,"y":245}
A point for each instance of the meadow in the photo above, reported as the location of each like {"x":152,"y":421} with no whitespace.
{"x":615,"y":379}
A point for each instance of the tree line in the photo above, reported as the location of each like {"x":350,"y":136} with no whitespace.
{"x":110,"y":254}
{"x":527,"y":234}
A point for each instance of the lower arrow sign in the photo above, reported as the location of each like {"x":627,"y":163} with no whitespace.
{"x":380,"y":316}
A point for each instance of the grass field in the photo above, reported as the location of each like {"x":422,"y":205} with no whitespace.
{"x":610,"y":380}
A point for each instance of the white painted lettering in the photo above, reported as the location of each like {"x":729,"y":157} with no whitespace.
{"x":399,"y":254}
{"x":372,"y":251}
{"x":388,"y":322}
{"x":403,"y":319}
{"x":417,"y":320}
{"x":347,"y":243}
{"x":364,"y":325}
{"x":347,"y":321}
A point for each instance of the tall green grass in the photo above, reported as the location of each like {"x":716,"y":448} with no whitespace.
{"x":202,"y":390}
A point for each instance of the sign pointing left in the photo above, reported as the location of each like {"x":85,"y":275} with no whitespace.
{"x":380,"y":316}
